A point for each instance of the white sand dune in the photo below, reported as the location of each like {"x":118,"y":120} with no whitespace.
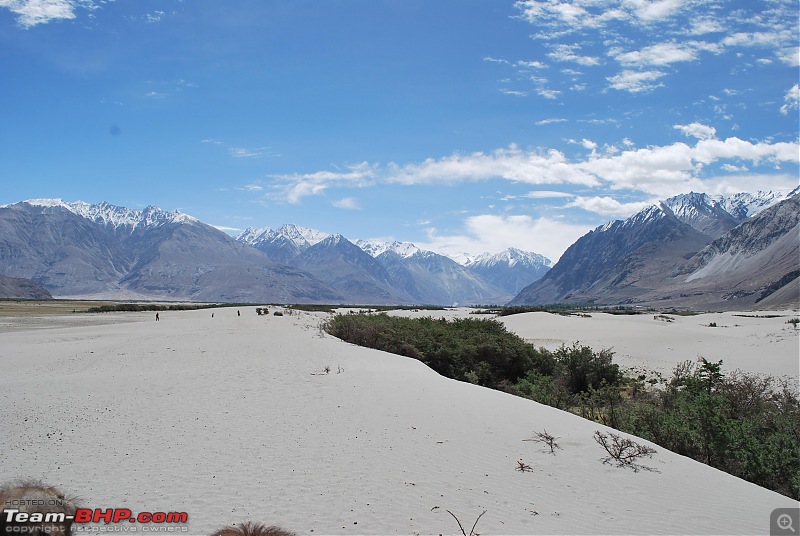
{"x":234,"y":418}
{"x":750,"y":341}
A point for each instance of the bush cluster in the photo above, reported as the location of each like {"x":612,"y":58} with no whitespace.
{"x":479,"y":351}
{"x":745,"y":424}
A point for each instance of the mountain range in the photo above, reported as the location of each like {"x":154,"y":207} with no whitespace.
{"x":105,"y":251}
{"x":398,"y":272}
{"x":692,"y":250}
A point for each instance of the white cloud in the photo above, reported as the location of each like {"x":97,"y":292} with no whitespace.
{"x":511,"y":164}
{"x":636,"y":81}
{"x":751,"y":182}
{"x":513,"y":92}
{"x":732,"y":168}
{"x":229,"y":230}
{"x":660,"y":54}
{"x":296,"y":186}
{"x":33,"y":12}
{"x":539,"y":194}
{"x":566,"y":16}
{"x":792,"y":100}
{"x":548,"y":93}
{"x":790,"y":56}
{"x":252,"y":187}
{"x":154,"y":17}
{"x":755,"y":39}
{"x":567,"y":53}
{"x":608,"y":206}
{"x":546,"y":194}
{"x":532,"y":64}
{"x":698,"y":130}
{"x":556,"y":13}
{"x":702,"y":26}
{"x":551,"y":121}
{"x":491,"y":233}
{"x":243,"y":152}
{"x":347,"y":203}
{"x":660,"y":30}
{"x":657,"y":170}
{"x":652,"y":10}
{"x":708,"y":151}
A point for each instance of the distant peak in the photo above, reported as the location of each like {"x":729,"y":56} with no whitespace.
{"x":378,"y":247}
{"x":510,"y":257}
{"x":107,"y":214}
{"x":251,"y":235}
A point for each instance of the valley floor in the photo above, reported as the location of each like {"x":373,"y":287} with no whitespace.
{"x":266,"y":418}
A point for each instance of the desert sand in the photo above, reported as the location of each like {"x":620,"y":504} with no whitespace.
{"x":760,"y":342}
{"x":248,"y":417}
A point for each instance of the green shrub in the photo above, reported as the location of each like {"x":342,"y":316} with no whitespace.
{"x":480,"y":351}
{"x":583,"y":368}
{"x":741,"y":423}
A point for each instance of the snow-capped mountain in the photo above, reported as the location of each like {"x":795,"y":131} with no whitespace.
{"x":701,"y":212}
{"x":302,"y":237}
{"x":510,"y":257}
{"x":114,"y":216}
{"x":758,"y":261}
{"x":78,"y":249}
{"x":744,"y":205}
{"x":375,"y":271}
{"x":282,"y":244}
{"x":512,"y":269}
{"x":692,"y":249}
{"x":377,"y":247}
{"x":651,"y":256}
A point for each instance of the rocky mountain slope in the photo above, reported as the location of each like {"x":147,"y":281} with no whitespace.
{"x":26,"y":289}
{"x":377,"y":271}
{"x":105,"y":251}
{"x":75,"y":249}
{"x":690,"y":250}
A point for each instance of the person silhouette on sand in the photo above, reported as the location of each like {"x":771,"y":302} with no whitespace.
{"x":157,"y":317}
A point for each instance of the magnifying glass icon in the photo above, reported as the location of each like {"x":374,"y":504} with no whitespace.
{"x":785,"y":523}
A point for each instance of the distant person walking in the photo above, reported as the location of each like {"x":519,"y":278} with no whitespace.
{"x":238,"y":313}
{"x":157,"y":317}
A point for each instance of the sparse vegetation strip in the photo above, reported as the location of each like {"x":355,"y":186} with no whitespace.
{"x":138,"y":307}
{"x":742,"y":423}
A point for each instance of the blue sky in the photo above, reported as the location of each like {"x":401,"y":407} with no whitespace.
{"x":459,"y":125}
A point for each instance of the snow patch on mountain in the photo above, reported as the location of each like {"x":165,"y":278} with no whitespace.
{"x":510,"y":257}
{"x":114,"y":216}
{"x":302,"y":237}
{"x":745,"y":205}
{"x":697,"y":209}
{"x":378,"y":247}
{"x":252,"y":236}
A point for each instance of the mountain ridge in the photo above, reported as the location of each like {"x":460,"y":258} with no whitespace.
{"x":657,"y":256}
{"x":674,"y":251}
